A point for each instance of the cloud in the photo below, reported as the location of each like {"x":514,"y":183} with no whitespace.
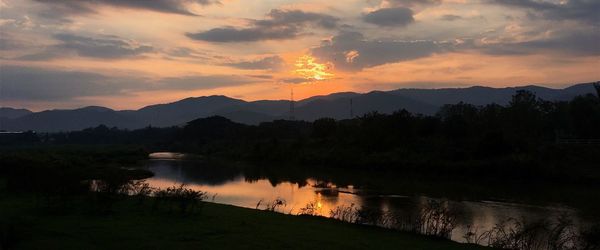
{"x":41,"y":56}
{"x":399,"y":16}
{"x":370,"y":53}
{"x":231,"y":34}
{"x":9,"y":42}
{"x":184,"y":52}
{"x":296,"y":80}
{"x":264,"y":77}
{"x":580,"y":10}
{"x":203,"y":82}
{"x":413,"y":3}
{"x":44,"y":84}
{"x":450,"y":18}
{"x":103,"y":47}
{"x":397,"y":13}
{"x":280,"y":24}
{"x":266,"y":63}
{"x":58,"y":9}
{"x":351,"y":55}
{"x":297,"y":17}
{"x":26,"y":83}
{"x":574,"y":43}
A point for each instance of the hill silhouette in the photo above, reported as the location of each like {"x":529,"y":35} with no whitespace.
{"x":336,"y":105}
{"x":11,"y":113}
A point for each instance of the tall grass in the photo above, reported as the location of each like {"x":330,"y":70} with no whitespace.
{"x":274,"y":205}
{"x":561,"y":234}
{"x":311,"y":209}
{"x":344,"y":213}
{"x":435,"y":218}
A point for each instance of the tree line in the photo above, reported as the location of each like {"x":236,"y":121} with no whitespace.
{"x":523,"y":136}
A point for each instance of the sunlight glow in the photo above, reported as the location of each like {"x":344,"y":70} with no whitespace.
{"x":351,"y":55}
{"x":309,"y":69}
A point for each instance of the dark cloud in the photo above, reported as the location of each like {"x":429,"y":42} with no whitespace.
{"x":280,"y":24}
{"x":566,"y":43}
{"x":413,"y":3}
{"x":8,"y":42}
{"x":580,"y":10}
{"x":187,"y":53}
{"x":398,"y":12}
{"x":267,"y":63}
{"x":45,"y":55}
{"x":25,"y":83}
{"x":39,"y":84}
{"x":264,"y":77}
{"x":104,"y":47}
{"x":231,"y":34}
{"x":450,"y":18}
{"x":351,"y":51}
{"x":60,"y":8}
{"x":399,"y":16}
{"x":297,"y":17}
{"x":296,"y":80}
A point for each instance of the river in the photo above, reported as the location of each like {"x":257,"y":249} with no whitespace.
{"x":235,"y":188}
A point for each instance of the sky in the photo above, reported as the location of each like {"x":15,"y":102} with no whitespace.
{"x":126,"y":54}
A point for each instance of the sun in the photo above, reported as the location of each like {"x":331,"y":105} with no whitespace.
{"x":309,"y":69}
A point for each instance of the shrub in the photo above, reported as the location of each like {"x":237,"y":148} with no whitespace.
{"x":180,"y":197}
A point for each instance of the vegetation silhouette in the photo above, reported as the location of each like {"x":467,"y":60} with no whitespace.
{"x":529,"y":139}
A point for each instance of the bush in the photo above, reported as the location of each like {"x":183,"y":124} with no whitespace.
{"x":179,"y":197}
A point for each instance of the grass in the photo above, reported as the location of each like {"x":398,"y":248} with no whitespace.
{"x":215,"y":227}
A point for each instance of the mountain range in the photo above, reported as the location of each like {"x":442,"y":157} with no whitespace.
{"x":337,"y":105}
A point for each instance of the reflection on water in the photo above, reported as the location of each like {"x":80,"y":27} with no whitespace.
{"x":231,"y":186}
{"x":166,"y":156}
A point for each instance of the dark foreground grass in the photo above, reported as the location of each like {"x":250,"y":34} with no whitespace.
{"x":216,"y":226}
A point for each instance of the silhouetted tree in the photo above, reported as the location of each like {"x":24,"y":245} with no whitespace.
{"x":458,"y":120}
{"x":324,"y":127}
{"x":585,"y":116}
{"x":522,"y":133}
{"x":524,"y":120}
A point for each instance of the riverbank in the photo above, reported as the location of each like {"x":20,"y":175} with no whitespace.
{"x":25,"y":225}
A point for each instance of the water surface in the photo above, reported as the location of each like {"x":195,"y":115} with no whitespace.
{"x":230,"y":186}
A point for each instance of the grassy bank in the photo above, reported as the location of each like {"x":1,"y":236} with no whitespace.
{"x":214,"y":226}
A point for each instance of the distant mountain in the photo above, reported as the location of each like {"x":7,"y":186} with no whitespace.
{"x":479,"y":95}
{"x":68,"y":120}
{"x":339,"y":108}
{"x":247,"y":117}
{"x":330,"y":97}
{"x":11,"y":113}
{"x":182,"y":111}
{"x":336,"y":105}
{"x":268,"y":109}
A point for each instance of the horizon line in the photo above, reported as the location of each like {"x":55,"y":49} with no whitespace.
{"x":565,"y":86}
